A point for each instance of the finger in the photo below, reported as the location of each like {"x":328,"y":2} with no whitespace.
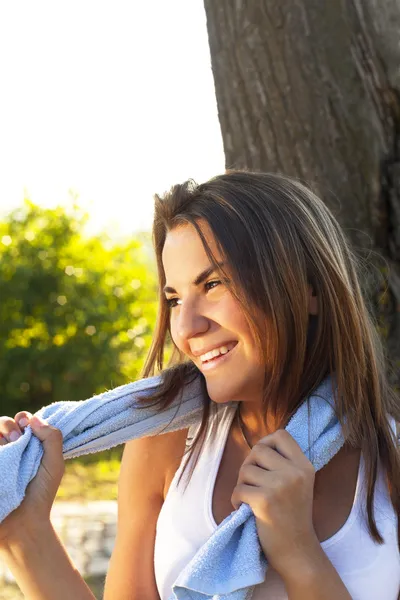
{"x":283,"y":442}
{"x":9,"y":429}
{"x":52,"y":440}
{"x":251,"y":474}
{"x":22,"y":418}
{"x":12,"y":429}
{"x":245,"y":493}
{"x":264,"y":457}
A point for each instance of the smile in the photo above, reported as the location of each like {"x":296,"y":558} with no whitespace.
{"x":215,"y":361}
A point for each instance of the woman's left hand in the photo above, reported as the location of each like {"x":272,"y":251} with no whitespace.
{"x":34,"y":511}
{"x":277,"y":481}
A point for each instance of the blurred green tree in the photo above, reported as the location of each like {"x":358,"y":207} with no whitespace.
{"x":76,"y":312}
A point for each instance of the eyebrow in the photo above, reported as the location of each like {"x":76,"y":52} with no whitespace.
{"x":199,"y":279}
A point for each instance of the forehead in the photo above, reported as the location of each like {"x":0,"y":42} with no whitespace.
{"x":183,"y":249}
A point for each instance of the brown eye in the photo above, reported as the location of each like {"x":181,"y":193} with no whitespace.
{"x":171,"y":302}
{"x":210,"y":283}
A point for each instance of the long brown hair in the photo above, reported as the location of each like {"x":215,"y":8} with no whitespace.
{"x":278,"y":238}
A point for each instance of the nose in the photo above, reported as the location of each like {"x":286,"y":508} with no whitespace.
{"x":190,"y":321}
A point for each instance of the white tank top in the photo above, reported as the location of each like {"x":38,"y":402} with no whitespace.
{"x":369,"y":571}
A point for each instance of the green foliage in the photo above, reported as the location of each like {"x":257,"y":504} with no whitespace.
{"x":76,"y":312}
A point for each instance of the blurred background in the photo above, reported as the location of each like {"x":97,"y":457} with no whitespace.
{"x":102,"y":105}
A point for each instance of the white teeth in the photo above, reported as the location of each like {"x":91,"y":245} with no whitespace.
{"x":217,"y":352}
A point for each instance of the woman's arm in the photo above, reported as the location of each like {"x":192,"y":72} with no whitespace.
{"x":29,"y":544}
{"x":277,"y":481}
{"x":41,"y":566}
{"x":314,"y":579}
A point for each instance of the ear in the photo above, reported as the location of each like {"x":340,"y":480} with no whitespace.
{"x":312,"y":302}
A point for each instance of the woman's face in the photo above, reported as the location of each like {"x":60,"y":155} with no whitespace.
{"x":205,"y":316}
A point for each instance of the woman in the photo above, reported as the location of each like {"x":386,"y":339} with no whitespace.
{"x":260,"y":296}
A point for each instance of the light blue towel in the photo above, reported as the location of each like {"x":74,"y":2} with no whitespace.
{"x":231,"y":562}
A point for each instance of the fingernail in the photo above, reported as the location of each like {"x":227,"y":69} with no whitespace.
{"x":23,"y":422}
{"x":14,"y":435}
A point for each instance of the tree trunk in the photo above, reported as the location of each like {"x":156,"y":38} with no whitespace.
{"x":311,"y":89}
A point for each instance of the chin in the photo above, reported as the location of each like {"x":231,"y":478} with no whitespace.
{"x":221,"y":395}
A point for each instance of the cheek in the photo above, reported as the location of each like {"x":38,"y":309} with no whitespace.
{"x":242,"y":326}
{"x":237,"y":319}
{"x":174,"y":336}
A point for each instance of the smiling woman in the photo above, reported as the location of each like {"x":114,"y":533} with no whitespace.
{"x":205,"y":316}
{"x":259,"y":293}
{"x":260,"y":297}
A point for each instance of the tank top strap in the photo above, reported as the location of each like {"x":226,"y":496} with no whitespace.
{"x":192,"y":432}
{"x":218,"y":413}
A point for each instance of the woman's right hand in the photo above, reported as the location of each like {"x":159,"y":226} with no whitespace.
{"x":13,"y":427}
{"x":34,"y":510}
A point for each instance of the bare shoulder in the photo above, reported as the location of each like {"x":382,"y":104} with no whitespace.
{"x":345,"y":464}
{"x":156,"y":456}
{"x":334,"y":491}
{"x":173,"y":449}
{"x":145,"y":465}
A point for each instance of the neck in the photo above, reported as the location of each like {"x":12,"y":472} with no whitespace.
{"x":253,"y":424}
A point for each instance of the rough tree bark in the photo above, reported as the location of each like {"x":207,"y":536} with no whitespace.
{"x":312,"y":89}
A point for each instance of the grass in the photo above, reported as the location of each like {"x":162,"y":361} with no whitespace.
{"x":91,"y":477}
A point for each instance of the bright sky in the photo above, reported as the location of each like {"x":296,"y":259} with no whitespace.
{"x":113,"y":100}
